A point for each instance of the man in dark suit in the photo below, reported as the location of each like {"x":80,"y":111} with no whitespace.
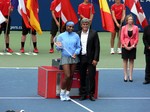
{"x":146,"y":41}
{"x":89,"y":57}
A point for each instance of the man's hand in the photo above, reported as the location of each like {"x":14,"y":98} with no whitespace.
{"x":94,"y":62}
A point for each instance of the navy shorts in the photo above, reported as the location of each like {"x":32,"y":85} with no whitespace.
{"x":116,"y":27}
{"x":26,"y":30}
{"x":4,"y":25}
{"x":54,"y":27}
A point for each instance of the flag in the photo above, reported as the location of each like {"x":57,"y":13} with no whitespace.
{"x":2,"y":18}
{"x":135,"y":8}
{"x":95,"y":1}
{"x":20,"y":6}
{"x":14,"y":3}
{"x":67,"y":11}
{"x":32,"y":6}
{"x":107,"y":21}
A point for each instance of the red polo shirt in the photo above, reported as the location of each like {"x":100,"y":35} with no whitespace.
{"x":86,"y":10}
{"x":52,"y":8}
{"x":118,"y":10}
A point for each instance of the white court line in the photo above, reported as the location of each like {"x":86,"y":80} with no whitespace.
{"x":124,"y":98}
{"x":7,"y":53}
{"x":96,"y":68}
{"x":82,"y":105}
{"x":34,"y":53}
{"x":1,"y":53}
{"x":22,"y":98}
{"x":18,"y":67}
{"x":99,"y":98}
{"x":118,"y":68}
{"x":18,"y":53}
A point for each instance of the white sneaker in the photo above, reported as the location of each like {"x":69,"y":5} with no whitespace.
{"x":112,"y":51}
{"x":62,"y":96}
{"x":119,"y":51}
{"x":67,"y":97}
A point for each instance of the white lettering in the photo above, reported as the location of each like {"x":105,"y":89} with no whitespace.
{"x":16,"y":28}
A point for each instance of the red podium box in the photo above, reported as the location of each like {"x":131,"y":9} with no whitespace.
{"x":49,"y":81}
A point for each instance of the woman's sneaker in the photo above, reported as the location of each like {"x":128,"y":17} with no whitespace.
{"x":62,"y":96}
{"x":67,"y":97}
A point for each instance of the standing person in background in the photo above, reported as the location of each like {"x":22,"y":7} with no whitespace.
{"x":68,"y":43}
{"x":89,"y":57}
{"x":6,"y":9}
{"x":129,"y":41}
{"x":56,"y":24}
{"x":118,"y":14}
{"x":86,"y":10}
{"x":146,"y":41}
{"x":26,"y":30}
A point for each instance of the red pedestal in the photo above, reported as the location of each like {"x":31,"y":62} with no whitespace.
{"x":49,"y":80}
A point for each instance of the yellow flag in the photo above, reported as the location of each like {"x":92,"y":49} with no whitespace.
{"x":32,"y":6}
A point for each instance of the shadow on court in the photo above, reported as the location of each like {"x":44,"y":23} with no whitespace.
{"x":18,"y":90}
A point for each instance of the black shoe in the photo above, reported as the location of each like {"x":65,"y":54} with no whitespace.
{"x":130,"y":80}
{"x":82,"y":98}
{"x":92,"y":98}
{"x":146,"y":82}
{"x":10,"y":111}
{"x":125,"y":80}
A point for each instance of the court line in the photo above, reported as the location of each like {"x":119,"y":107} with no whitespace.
{"x":18,"y":67}
{"x":22,"y":98}
{"x":82,"y":105}
{"x":96,"y":68}
{"x":124,"y":98}
{"x":99,"y":98}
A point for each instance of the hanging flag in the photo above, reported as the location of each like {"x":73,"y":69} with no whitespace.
{"x":95,"y":1}
{"x":135,"y":8}
{"x":20,"y":6}
{"x":14,"y":3}
{"x":107,"y":21}
{"x":2,"y":18}
{"x":67,"y":11}
{"x":32,"y":6}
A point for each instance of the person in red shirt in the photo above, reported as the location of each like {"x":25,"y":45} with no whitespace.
{"x":6,"y":9}
{"x":118,"y":14}
{"x":26,"y":30}
{"x":86,"y":10}
{"x":56,"y":23}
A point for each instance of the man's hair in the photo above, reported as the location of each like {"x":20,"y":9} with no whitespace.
{"x":85,"y":20}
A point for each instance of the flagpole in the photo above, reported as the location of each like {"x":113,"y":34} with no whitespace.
{"x":30,"y":48}
{"x":7,"y":22}
{"x":91,"y":11}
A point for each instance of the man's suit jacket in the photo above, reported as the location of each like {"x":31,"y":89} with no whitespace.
{"x":93,"y":46}
{"x":146,"y":39}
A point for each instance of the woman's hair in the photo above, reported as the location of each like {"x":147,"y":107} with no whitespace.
{"x":127,"y":17}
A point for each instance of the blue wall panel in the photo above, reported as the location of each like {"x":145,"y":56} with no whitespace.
{"x":45,"y":14}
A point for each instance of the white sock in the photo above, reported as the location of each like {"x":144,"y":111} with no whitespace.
{"x":67,"y":92}
{"x":112,"y":48}
{"x":62,"y":91}
{"x":119,"y":48}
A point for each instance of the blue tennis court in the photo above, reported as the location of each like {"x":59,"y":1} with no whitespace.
{"x":18,"y":90}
